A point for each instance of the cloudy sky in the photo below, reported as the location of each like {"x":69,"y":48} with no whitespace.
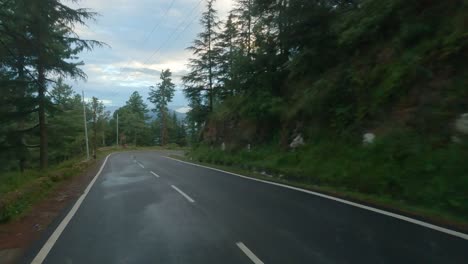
{"x":145,"y":36}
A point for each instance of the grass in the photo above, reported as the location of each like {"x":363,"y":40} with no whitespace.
{"x":18,"y":191}
{"x":401,"y":171}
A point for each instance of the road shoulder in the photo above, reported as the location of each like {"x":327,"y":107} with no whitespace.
{"x":20,"y":237}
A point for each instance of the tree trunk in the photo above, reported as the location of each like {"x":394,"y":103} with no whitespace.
{"x":210,"y":67}
{"x":163,"y":127}
{"x":42,"y":116}
{"x":284,"y":136}
{"x":41,"y":90}
{"x":134,"y":138}
{"x":21,"y":94}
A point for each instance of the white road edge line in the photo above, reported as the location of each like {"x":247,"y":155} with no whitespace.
{"x":249,"y":253}
{"x":141,"y":165}
{"x":157,"y":176}
{"x":365,"y":207}
{"x":40,"y":257}
{"x":183,"y":194}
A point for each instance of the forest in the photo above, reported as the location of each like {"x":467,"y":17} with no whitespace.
{"x":42,"y":118}
{"x":323,"y":73}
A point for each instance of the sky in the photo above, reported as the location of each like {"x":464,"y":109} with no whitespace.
{"x":145,"y":37}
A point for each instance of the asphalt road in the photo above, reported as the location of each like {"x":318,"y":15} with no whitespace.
{"x":145,"y":208}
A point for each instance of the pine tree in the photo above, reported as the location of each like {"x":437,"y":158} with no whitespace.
{"x":65,"y":120}
{"x":37,"y":43}
{"x":132,"y":118}
{"x":200,"y":81}
{"x":55,"y":46}
{"x":228,"y":55}
{"x":136,"y":105}
{"x":17,"y":100}
{"x":160,"y":96}
{"x":243,"y":20}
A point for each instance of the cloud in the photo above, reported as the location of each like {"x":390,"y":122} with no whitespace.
{"x":106,"y":102}
{"x":136,"y":57}
{"x":131,"y":70}
{"x":183,"y":110}
{"x":174,"y":13}
{"x":103,"y":101}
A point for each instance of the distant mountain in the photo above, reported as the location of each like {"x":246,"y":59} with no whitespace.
{"x":111,"y":108}
{"x":151,"y":114}
{"x":180,"y":116}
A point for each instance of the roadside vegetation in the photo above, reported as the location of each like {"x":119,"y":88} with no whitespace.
{"x":19,"y":191}
{"x":423,"y":180}
{"x":327,"y":74}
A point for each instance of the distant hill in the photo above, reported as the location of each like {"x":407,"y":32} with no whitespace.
{"x":111,"y":108}
{"x":180,"y":116}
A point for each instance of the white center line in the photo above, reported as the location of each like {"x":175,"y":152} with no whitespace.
{"x":157,"y":176}
{"x":183,"y":194}
{"x":141,"y":165}
{"x":249,"y":253}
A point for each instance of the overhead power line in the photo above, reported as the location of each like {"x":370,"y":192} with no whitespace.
{"x":186,"y":27}
{"x":156,"y":26}
{"x":173,"y":32}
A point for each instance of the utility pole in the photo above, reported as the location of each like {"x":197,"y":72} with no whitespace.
{"x":85,"y":127}
{"x":117,"y":129}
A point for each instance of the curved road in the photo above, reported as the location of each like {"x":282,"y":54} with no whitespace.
{"x":146,"y":208}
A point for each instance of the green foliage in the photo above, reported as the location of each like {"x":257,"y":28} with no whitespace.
{"x":18,"y":191}
{"x":37,"y":44}
{"x":65,"y":123}
{"x":160,"y":96}
{"x":163,"y":92}
{"x":200,"y":81}
{"x":99,"y":120}
{"x":132,"y":121}
{"x":371,"y":21}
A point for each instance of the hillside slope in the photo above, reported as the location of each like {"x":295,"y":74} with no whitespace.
{"x":393,"y":68}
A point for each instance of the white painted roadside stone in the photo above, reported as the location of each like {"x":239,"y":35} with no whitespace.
{"x":456,"y":140}
{"x":297,"y":142}
{"x":368,"y":138}
{"x":461,"y":124}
